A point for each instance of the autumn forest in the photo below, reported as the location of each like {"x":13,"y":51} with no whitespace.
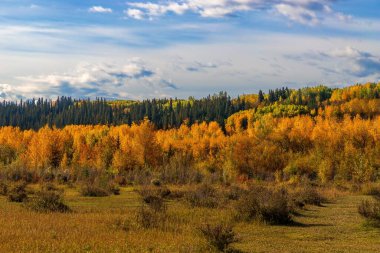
{"x":298,"y":167}
{"x":320,"y":133}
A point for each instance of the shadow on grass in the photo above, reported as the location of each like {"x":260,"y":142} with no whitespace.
{"x":303,"y":225}
{"x":231,"y":250}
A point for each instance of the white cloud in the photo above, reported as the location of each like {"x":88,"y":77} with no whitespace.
{"x":7,"y":93}
{"x":348,"y":61}
{"x":302,"y":11}
{"x":99,"y":9}
{"x":348,"y":52}
{"x":134,"y":13}
{"x":297,"y":14}
{"x":94,"y":80}
{"x":358,"y":63}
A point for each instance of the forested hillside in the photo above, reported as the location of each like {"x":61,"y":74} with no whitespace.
{"x":164,"y":113}
{"x":168,"y":113}
{"x":320,"y":133}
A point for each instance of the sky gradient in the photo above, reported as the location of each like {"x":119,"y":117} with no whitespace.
{"x":181,"y":48}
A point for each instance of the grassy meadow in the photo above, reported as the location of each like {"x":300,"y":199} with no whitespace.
{"x":109,"y":224}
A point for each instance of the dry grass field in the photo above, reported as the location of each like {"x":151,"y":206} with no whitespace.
{"x":108,"y":224}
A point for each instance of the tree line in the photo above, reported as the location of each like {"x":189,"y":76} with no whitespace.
{"x":172,"y":113}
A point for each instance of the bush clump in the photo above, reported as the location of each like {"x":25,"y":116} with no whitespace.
{"x":234,"y":193}
{"x":370,"y":211}
{"x":148,"y":217}
{"x":156,"y":203}
{"x":89,"y":190}
{"x":219,"y":236}
{"x":372,"y":190}
{"x":203,"y":196}
{"x":113,"y":189}
{"x":3,"y":188}
{"x":17,"y":192}
{"x":152,"y":213}
{"x":49,"y":187}
{"x":271,"y":206}
{"x":307,"y":195}
{"x":147,"y":192}
{"x":48,"y":201}
{"x":156,"y":182}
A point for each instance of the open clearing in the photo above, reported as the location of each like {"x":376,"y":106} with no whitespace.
{"x":102,"y":225}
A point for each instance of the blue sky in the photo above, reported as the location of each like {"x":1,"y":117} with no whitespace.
{"x":179,"y":48}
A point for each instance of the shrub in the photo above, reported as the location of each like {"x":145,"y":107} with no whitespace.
{"x":113,"y":188}
{"x":265,"y":205}
{"x":370,"y":211}
{"x":89,"y":190}
{"x":235,"y":193}
{"x":219,"y":236}
{"x":162,"y":192}
{"x":47,"y":176}
{"x":372,"y":190}
{"x":156,"y":203}
{"x":48,"y":201}
{"x":49,"y":187}
{"x":307,"y":195}
{"x":152,"y":213}
{"x":3,"y":188}
{"x":63,"y":177}
{"x":203,"y":196}
{"x":176,"y":194}
{"x":121,"y":180}
{"x":156,"y":182}
{"x":17,"y":192}
{"x":17,"y":172}
{"x":149,"y":218}
{"x":154,"y":197}
{"x":179,"y":169}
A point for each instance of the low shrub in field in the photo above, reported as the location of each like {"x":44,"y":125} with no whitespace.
{"x":307,"y":195}
{"x":370,"y":211}
{"x":48,"y":201}
{"x":89,"y":190}
{"x":156,"y":203}
{"x":123,"y":224}
{"x":17,"y":192}
{"x":49,"y":187}
{"x":156,"y":182}
{"x":372,"y":190}
{"x":17,"y":172}
{"x":234,"y":193}
{"x":148,"y":191}
{"x":154,"y":197}
{"x":266,"y":205}
{"x":219,"y":236}
{"x":176,"y":194}
{"x":203,"y":196}
{"x":147,"y":217}
{"x":3,"y":188}
{"x":152,"y":213}
{"x":113,"y":189}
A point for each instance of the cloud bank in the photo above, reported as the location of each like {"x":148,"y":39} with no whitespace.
{"x":308,"y":12}
{"x":360,"y":63}
{"x":357,"y":64}
{"x":7,"y":94}
{"x":111,"y":81}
